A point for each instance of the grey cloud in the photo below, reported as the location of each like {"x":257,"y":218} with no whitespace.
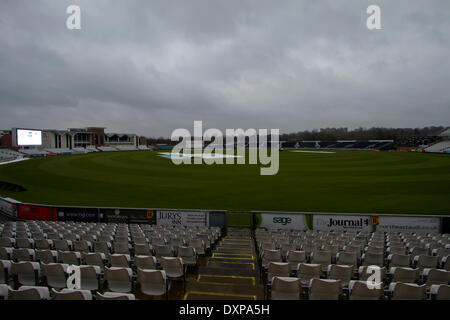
{"x":153,"y":66}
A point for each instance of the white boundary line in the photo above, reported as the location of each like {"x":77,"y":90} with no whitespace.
{"x":13,"y":161}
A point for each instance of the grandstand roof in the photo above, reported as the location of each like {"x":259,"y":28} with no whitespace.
{"x":445,"y":133}
{"x":120,"y":134}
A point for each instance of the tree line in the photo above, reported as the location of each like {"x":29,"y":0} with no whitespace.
{"x":333,"y":134}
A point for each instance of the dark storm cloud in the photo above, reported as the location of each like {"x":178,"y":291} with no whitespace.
{"x":153,"y":66}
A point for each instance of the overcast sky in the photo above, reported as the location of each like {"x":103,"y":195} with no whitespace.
{"x":149,"y":67}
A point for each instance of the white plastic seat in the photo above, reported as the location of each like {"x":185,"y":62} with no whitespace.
{"x":406,"y":275}
{"x":119,"y":260}
{"x":71,"y":294}
{"x":271,"y":256}
{"x":285,"y":288}
{"x":4,"y":291}
{"x":29,"y":293}
{"x":424,"y":261}
{"x":115,"y":296}
{"x":407,"y":291}
{"x":5,"y":271}
{"x":69,"y":257}
{"x":46,"y":256}
{"x":323,"y":289}
{"x":308,"y":271}
{"x":145,"y":262}
{"x":295,"y":257}
{"x":435,"y":276}
{"x":94,"y":259}
{"x":188,"y":254}
{"x":153,"y":282}
{"x":371,"y":259}
{"x":90,"y":277}
{"x":28,"y":273}
{"x":399,"y":260}
{"x":440,"y":291}
{"x":321,"y":257}
{"x":340,"y":272}
{"x":55,"y":274}
{"x":119,"y":279}
{"x":279,"y":269}
{"x":360,"y":290}
{"x":23,"y":254}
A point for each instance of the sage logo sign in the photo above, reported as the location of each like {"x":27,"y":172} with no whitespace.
{"x":338,"y":222}
{"x":409,"y":224}
{"x":280,"y":220}
{"x":181,"y":218}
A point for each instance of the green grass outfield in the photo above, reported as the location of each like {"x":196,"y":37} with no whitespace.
{"x":346,"y":181}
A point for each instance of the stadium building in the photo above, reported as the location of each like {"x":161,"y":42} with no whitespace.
{"x":443,"y":145}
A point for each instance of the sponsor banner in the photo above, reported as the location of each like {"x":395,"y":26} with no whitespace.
{"x":129,"y":216}
{"x":409,"y":224}
{"x":79,"y":214}
{"x":32,"y":212}
{"x":280,"y":220}
{"x":182,"y":218}
{"x":342,"y":223}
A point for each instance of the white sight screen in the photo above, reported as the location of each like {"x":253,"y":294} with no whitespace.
{"x":29,"y":137}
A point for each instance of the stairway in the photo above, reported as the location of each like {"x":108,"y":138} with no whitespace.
{"x":231,"y":273}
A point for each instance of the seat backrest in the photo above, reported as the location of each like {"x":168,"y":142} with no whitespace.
{"x":279,"y":269}
{"x":441,"y":291}
{"x":371,"y":258}
{"x":29,"y":293}
{"x":403,"y":274}
{"x":321,"y":256}
{"x":142,"y":249}
{"x":425,"y":261}
{"x":121,"y":247}
{"x":67,"y":294}
{"x":186,"y":251}
{"x":347,"y":258}
{"x":114,"y":296}
{"x":359,"y":290}
{"x":145,"y":262}
{"x":23,"y":254}
{"x":118,"y":274}
{"x":272,"y":255}
{"x":119,"y":260}
{"x":285,"y":288}
{"x":418,"y":251}
{"x":94,"y":258}
{"x":322,"y":289}
{"x":309,"y":270}
{"x":102,"y":246}
{"x":5,"y":269}
{"x":171,"y":263}
{"x":296,"y":256}
{"x":340,"y":272}
{"x":408,"y":291}
{"x":397,"y":249}
{"x":151,"y":276}
{"x":436,"y":276}
{"x":399,"y":260}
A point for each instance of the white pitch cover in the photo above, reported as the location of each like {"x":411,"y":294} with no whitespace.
{"x":181,"y":218}
{"x":342,"y":223}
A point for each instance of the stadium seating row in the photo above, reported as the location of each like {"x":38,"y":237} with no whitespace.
{"x":337,"y":144}
{"x":288,"y":288}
